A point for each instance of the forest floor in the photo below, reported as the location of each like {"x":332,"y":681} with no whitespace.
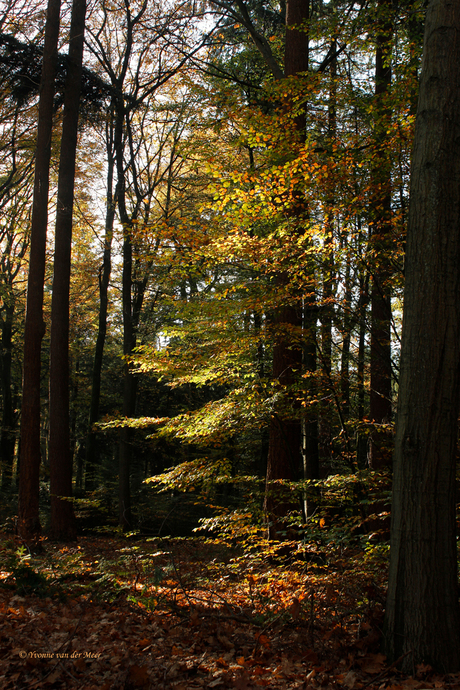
{"x":112,"y":613}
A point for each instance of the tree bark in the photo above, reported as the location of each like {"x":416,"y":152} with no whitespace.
{"x":63,"y":525}
{"x":380,"y":234}
{"x":7,"y":439}
{"x":361,"y":440}
{"x":285,"y":456}
{"x":422,"y":612}
{"x":29,"y":478}
{"x":104,"y":278}
{"x":129,"y":386}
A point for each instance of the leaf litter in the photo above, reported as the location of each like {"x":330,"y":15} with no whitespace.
{"x":181,"y":614}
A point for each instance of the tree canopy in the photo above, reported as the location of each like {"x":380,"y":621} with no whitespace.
{"x":233,"y":184}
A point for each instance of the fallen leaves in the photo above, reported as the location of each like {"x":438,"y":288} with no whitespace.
{"x":372,"y":663}
{"x":216,"y":623}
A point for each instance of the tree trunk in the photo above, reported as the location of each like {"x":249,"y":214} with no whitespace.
{"x":346,"y":342}
{"x":63,"y":526}
{"x":125,"y":451}
{"x":380,"y":394}
{"x":129,"y":386}
{"x":328,"y":270}
{"x":28,"y":519}
{"x":422,"y":612}
{"x":7,"y":440}
{"x":104,"y":278}
{"x":285,"y":434}
{"x":361,"y":441}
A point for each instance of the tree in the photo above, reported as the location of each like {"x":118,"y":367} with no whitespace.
{"x":285,"y":435}
{"x":126,"y":45}
{"x":28,"y":520}
{"x":422,"y":620}
{"x":63,"y":524}
{"x":14,"y":240}
{"x":104,"y":278}
{"x":16,"y":166}
{"x":380,"y":236}
{"x":303,"y":198}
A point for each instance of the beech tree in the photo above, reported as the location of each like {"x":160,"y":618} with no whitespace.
{"x":302,"y":201}
{"x":422,"y":619}
{"x":103,"y":279}
{"x":285,"y":434}
{"x":130,"y":47}
{"x":294,"y":165}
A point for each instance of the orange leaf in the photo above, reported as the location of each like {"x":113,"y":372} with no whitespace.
{"x":295,"y":608}
{"x":264,"y":641}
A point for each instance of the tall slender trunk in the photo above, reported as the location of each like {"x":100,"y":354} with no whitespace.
{"x":132,"y":299}
{"x":327,"y":307}
{"x":361,"y":441}
{"x":63,"y":525}
{"x":104,"y":278}
{"x":285,"y":434}
{"x":346,"y":341}
{"x":7,"y":439}
{"x":129,"y":385}
{"x":380,"y":234}
{"x":28,"y":519}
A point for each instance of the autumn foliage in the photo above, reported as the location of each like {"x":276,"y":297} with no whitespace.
{"x":113,"y":613}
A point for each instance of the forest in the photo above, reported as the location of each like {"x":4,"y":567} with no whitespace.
{"x":230,"y":343}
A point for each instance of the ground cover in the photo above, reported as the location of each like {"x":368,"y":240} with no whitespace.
{"x":112,"y":613}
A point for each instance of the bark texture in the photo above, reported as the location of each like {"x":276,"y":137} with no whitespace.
{"x":285,"y":434}
{"x":380,"y":244}
{"x":7,"y":436}
{"x":104,"y":278}
{"x":63,"y":526}
{"x":422,"y":613}
{"x":29,"y":477}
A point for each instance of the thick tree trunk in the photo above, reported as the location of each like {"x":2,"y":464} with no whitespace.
{"x":28,"y":520}
{"x":63,"y":526}
{"x":380,"y":394}
{"x":422,"y":612}
{"x":296,"y":55}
